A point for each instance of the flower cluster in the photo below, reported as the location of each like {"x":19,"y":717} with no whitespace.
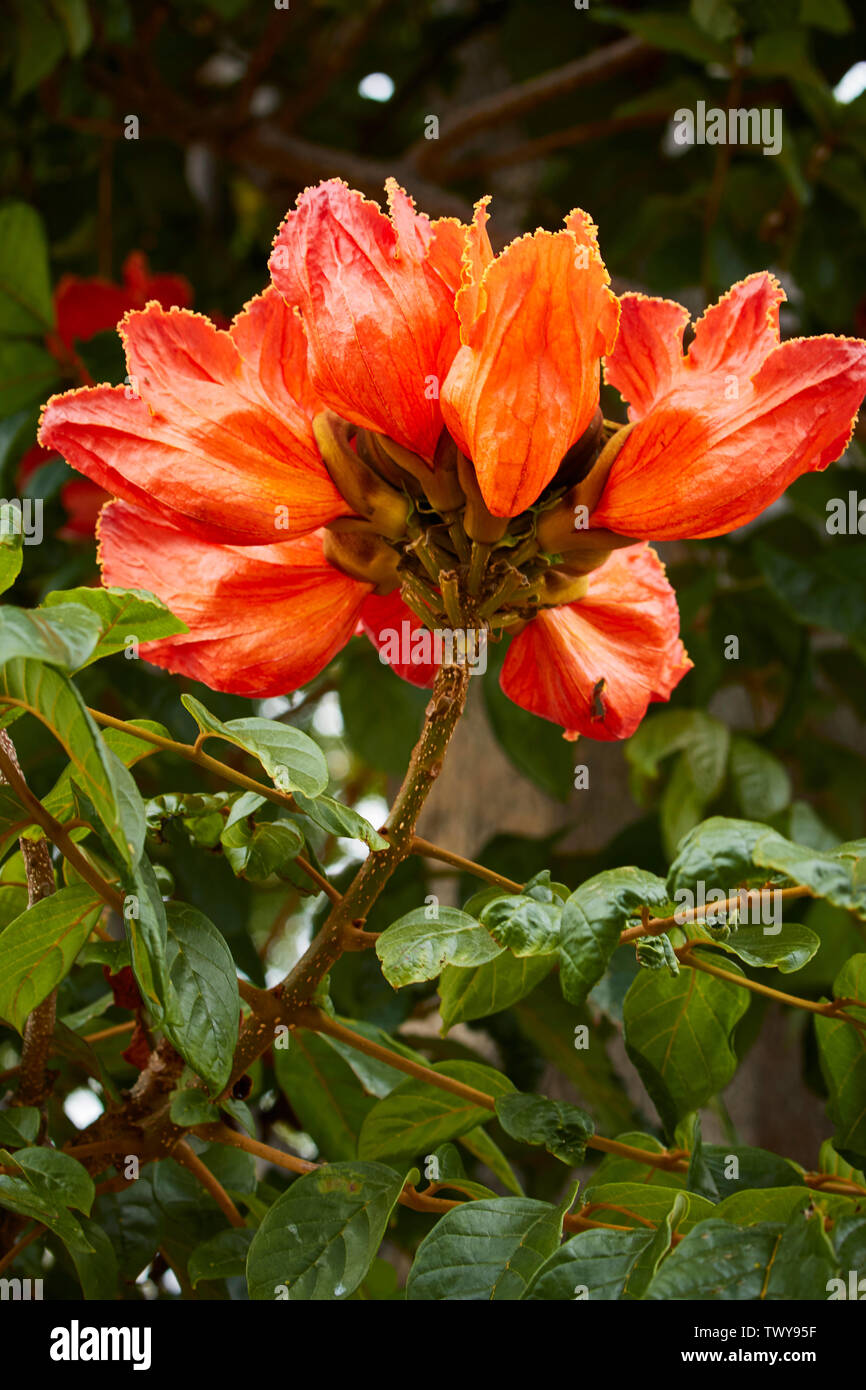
{"x":406,"y":427}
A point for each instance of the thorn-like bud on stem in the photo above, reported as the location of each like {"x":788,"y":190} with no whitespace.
{"x":557,"y":586}
{"x":366,"y":493}
{"x":478,"y":523}
{"x":556,"y":529}
{"x":356,"y":549}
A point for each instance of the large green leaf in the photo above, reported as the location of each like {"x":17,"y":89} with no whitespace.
{"x":826,"y":876}
{"x":417,"y":1116}
{"x":487,"y":989}
{"x":38,"y":948}
{"x":718,"y":854}
{"x":11,"y":546}
{"x":789,"y":951}
{"x":486,"y":1250}
{"x":592,"y":920}
{"x":52,"y":698}
{"x":563,"y":1129}
{"x":26,"y":307}
{"x":202,"y":1009}
{"x":27,"y":374}
{"x":418,"y":946}
{"x":759,"y":780}
{"x":678,"y":1033}
{"x":523,"y":924}
{"x":119,"y":614}
{"x":337,"y":819}
{"x":606,"y":1264}
{"x":635,"y":1203}
{"x":145,"y":922}
{"x":224,"y":1256}
{"x":324,"y":1092}
{"x":769,"y":1261}
{"x":842,"y":1050}
{"x":291,"y":759}
{"x":319,"y":1239}
{"x":51,"y":1183}
{"x":65,"y":638}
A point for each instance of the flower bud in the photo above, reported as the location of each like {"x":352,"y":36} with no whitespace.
{"x":478,"y":523}
{"x":354,"y":548}
{"x":366,"y":493}
{"x":557,"y":527}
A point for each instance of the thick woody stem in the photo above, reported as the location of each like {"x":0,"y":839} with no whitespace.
{"x":347,"y":916}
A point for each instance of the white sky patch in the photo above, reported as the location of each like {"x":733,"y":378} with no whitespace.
{"x":82,"y":1107}
{"x":376,"y":86}
{"x":328,"y":719}
{"x":850,"y":87}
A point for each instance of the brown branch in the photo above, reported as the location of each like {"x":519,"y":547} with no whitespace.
{"x":557,"y":140}
{"x":654,"y":926}
{"x":447,"y":856}
{"x":187,"y":1156}
{"x":514,"y":101}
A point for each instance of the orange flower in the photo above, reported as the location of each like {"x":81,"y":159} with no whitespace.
{"x":402,"y":437}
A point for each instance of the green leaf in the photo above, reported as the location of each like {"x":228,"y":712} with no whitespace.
{"x":324,"y":1092}
{"x":485,"y":1148}
{"x":48,"y":695}
{"x":703,"y":740}
{"x":52,"y":1183}
{"x":563,"y":1129}
{"x":828,"y":590}
{"x":488,"y":1250}
{"x":19,"y":1127}
{"x":319,"y":1239}
{"x":64,"y":639}
{"x":417,"y":946}
{"x":678,"y":1033}
{"x":202,"y":1009}
{"x":842,"y":1051}
{"x":606,"y":1264}
{"x":119,"y":614}
{"x":96,"y":1268}
{"x":38,"y":948}
{"x":291,"y":759}
{"x":718,"y":18}
{"x":224,"y":1256}
{"x":487,"y":989}
{"x":130,"y":1219}
{"x":256,"y":851}
{"x":676,"y":33}
{"x":770,"y":1261}
{"x":417,"y":1116}
{"x":26,"y":306}
{"x":751,"y":1207}
{"x":832,"y":15}
{"x":27,"y":374}
{"x":145,"y":922}
{"x":789,"y":951}
{"x":826,"y":877}
{"x":760,"y":782}
{"x":190,"y":1106}
{"x":550,"y":1023}
{"x":717,"y":853}
{"x":592,"y":920}
{"x":638,"y":1202}
{"x":754,"y":1168}
{"x":523,"y":924}
{"x":337,"y":819}
{"x":11,"y":546}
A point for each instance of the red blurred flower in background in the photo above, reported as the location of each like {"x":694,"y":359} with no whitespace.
{"x":403,"y":431}
{"x":83,"y":308}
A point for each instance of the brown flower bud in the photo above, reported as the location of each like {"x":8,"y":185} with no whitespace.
{"x":366,"y":493}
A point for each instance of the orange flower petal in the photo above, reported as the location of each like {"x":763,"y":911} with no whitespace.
{"x":263,"y":620}
{"x":524,"y":386}
{"x":624,"y":632}
{"x":725,"y":429}
{"x":392,"y":627}
{"x":376,"y":295}
{"x":220,"y":440}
